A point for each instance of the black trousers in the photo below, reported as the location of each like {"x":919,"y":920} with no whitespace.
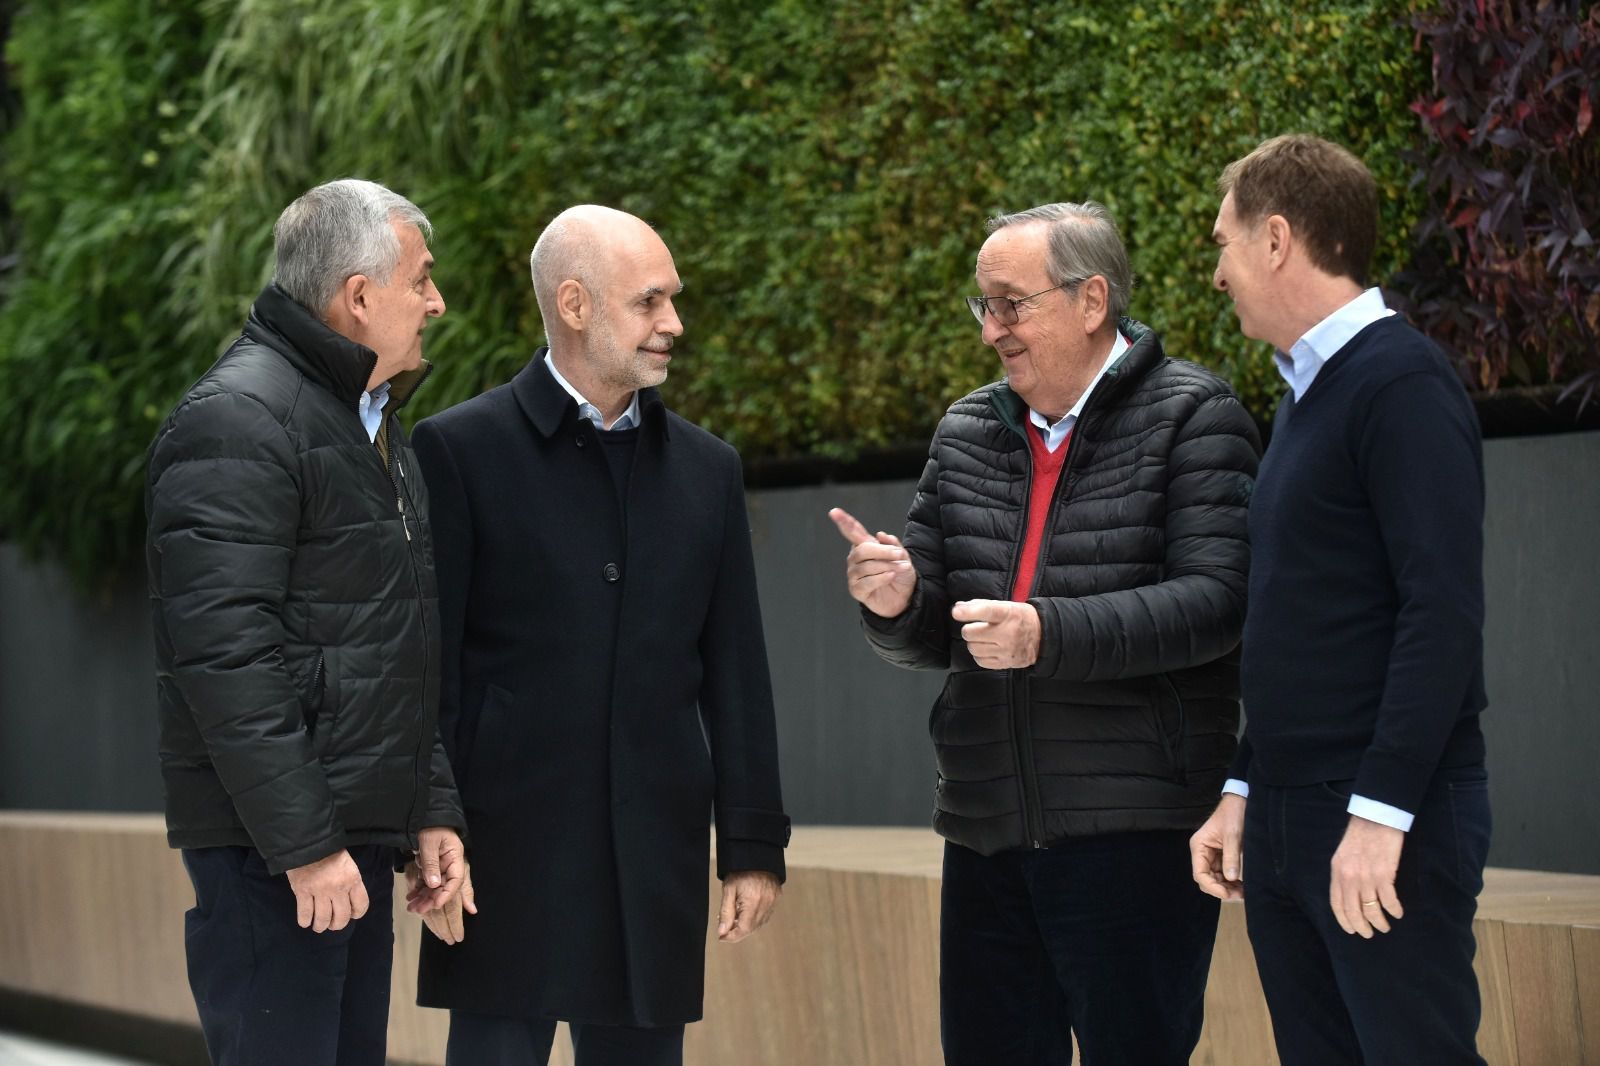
{"x":271,"y":993}
{"x":1105,"y":937}
{"x":485,"y":1040}
{"x":1404,"y":997}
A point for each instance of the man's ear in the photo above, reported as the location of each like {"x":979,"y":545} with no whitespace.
{"x":1280,"y":240}
{"x":574,"y":305}
{"x":1095,"y":296}
{"x":352,"y":301}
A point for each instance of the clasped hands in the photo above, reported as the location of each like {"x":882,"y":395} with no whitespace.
{"x":439,"y":884}
{"x":329,"y":893}
{"x":1000,"y":634}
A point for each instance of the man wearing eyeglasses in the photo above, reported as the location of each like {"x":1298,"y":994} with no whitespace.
{"x":1075,"y":557}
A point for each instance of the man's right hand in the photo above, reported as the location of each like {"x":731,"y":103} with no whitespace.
{"x":328,"y":893}
{"x":1216,"y":851}
{"x":878,"y":570}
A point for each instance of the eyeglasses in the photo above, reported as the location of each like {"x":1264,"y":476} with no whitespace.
{"x":1005,"y":308}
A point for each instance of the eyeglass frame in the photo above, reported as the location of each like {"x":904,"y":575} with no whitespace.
{"x":979,"y":305}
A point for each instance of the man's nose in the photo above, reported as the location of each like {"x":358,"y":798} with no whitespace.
{"x":993,"y":329}
{"x":671,"y":324}
{"x":1217,"y":282}
{"x":435,"y":301}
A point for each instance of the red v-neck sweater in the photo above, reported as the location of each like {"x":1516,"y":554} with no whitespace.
{"x":1046,"y":472}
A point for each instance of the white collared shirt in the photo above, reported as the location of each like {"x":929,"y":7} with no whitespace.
{"x":1057,"y":432}
{"x":627,"y":420}
{"x":370,"y":407}
{"x":1324,"y":340}
{"x":1299,"y":368}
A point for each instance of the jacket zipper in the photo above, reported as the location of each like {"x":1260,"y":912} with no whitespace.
{"x":400,"y":502}
{"x":1018,"y":681}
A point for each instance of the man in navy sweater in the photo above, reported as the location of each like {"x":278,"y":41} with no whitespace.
{"x":1358,"y":800}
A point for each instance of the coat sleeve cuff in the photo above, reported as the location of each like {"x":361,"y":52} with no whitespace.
{"x":753,"y":824}
{"x":751,"y":838}
{"x":740,"y":856}
{"x":283,"y":862}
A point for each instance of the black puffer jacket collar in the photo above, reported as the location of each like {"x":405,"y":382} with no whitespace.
{"x":327,"y":357}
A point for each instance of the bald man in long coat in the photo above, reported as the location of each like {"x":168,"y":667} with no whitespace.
{"x":605,"y":685}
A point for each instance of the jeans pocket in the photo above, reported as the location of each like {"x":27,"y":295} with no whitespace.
{"x":1337,"y":790}
{"x":1471,"y":826}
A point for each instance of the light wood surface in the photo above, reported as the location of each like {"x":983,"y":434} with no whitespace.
{"x":846,"y":975}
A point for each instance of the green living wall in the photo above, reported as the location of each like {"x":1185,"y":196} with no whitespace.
{"x":822,"y":173}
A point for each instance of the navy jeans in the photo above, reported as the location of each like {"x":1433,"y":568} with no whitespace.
{"x":485,"y":1040}
{"x":270,"y":992}
{"x":1105,"y":937}
{"x":1407,"y":996}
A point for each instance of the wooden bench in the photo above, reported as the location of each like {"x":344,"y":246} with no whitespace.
{"x":846,"y":975}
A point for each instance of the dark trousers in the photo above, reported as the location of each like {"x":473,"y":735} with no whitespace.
{"x":485,"y":1040}
{"x":270,"y":992}
{"x":1407,"y":996}
{"x":1103,"y":936}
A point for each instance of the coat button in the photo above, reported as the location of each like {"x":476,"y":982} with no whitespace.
{"x":579,"y":439}
{"x":612,"y":572}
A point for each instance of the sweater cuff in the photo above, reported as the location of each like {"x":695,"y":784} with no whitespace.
{"x":1392,"y":780}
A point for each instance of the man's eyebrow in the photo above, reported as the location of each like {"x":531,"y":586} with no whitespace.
{"x":657,"y":290}
{"x":427,"y":265}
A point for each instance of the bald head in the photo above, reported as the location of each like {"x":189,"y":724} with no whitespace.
{"x":605,"y":283}
{"x":584,"y":244}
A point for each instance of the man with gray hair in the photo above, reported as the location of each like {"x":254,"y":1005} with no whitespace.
{"x":296,"y":625}
{"x":1075,"y":558}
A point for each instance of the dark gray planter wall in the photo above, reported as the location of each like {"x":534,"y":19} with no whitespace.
{"x":77,"y":704}
{"x":1542,"y":650}
{"x":77,"y":694}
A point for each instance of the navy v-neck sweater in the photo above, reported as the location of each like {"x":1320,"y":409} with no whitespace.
{"x":1363,"y":641}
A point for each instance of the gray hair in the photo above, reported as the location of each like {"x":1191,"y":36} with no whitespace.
{"x":1083,"y":242}
{"x":338,"y":230}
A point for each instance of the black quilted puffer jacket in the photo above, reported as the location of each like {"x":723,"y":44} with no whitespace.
{"x":295,"y":607}
{"x":1127,"y":721}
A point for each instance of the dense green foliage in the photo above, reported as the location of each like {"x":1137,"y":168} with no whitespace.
{"x":822,"y":173}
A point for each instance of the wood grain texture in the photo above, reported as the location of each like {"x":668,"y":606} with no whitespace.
{"x":1586,"y":962}
{"x":1544,"y":993}
{"x":1497,"y":1031}
{"x":846,"y":974}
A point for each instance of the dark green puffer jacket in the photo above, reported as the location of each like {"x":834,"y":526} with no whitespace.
{"x":1127,"y":720}
{"x":295,"y":606}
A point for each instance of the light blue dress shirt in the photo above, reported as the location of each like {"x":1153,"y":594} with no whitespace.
{"x":627,"y":420}
{"x":1055,"y":433}
{"x":370,"y":408}
{"x":1299,"y":368}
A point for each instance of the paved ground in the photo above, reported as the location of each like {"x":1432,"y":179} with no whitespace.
{"x":26,"y":1051}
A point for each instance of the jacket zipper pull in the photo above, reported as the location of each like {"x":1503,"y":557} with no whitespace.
{"x":401,"y":502}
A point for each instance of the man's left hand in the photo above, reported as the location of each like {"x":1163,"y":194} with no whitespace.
{"x":1001,"y":634}
{"x":1361,"y":890}
{"x":748,"y":900}
{"x":441,"y":863}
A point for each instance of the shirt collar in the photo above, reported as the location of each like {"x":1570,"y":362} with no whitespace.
{"x":1055,"y":432}
{"x":1324,"y":340}
{"x":370,"y":405}
{"x":628,"y":419}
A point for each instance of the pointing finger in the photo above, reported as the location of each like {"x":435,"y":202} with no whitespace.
{"x":850,"y":529}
